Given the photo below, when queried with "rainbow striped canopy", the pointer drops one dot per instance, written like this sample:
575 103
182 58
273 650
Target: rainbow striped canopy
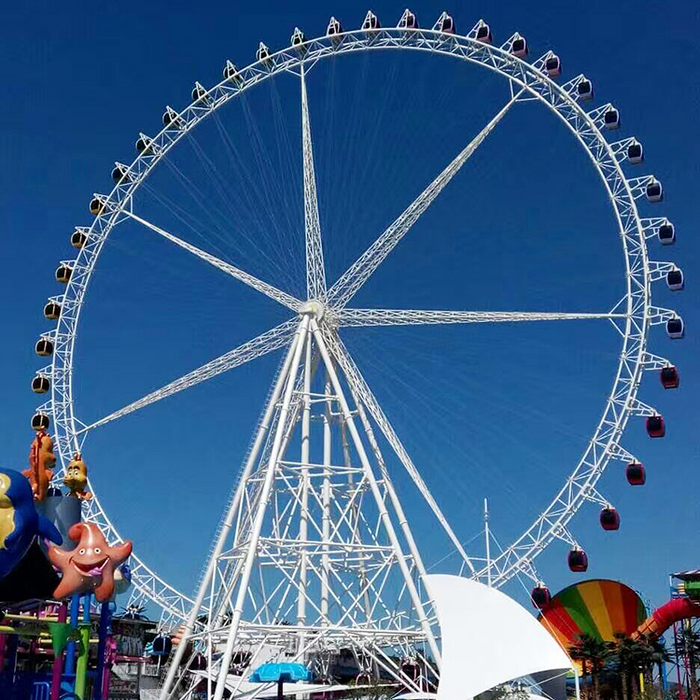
599 607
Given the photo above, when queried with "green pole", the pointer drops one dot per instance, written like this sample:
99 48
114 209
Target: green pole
82 665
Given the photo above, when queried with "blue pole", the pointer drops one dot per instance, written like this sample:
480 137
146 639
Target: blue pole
664 679
69 669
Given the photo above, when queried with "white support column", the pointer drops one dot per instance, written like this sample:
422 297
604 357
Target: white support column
228 520
395 502
383 513
488 542
260 514
304 513
326 500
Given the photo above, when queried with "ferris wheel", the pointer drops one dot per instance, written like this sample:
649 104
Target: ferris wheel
303 535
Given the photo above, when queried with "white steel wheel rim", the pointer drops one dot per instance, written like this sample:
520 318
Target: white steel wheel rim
636 305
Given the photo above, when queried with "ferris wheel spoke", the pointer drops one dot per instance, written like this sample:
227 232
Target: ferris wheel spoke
315 268
257 347
361 388
263 287
413 317
362 269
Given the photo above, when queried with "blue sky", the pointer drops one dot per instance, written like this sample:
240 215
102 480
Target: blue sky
497 412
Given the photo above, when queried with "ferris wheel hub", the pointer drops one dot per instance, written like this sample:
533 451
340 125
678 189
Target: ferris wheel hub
313 308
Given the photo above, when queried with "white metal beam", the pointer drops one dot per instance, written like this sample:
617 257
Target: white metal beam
261 345
315 268
263 287
414 317
361 270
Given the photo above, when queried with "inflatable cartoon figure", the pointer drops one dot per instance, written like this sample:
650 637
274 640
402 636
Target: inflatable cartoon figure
90 566
76 478
19 521
41 463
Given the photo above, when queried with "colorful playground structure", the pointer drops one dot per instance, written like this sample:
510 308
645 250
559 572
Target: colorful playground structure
607 611
58 579
604 609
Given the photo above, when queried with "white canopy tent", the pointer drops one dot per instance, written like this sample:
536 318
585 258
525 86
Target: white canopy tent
487 638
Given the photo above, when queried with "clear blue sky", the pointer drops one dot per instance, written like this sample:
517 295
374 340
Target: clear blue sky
489 412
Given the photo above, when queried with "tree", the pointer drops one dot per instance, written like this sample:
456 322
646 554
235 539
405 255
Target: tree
632 657
659 656
592 653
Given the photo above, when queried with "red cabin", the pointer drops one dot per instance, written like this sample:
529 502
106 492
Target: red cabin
541 596
636 474
656 426
578 560
670 379
609 519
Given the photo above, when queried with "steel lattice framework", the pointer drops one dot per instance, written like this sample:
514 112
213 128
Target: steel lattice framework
324 313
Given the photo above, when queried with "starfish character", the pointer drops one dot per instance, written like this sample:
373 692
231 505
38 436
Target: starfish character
90 566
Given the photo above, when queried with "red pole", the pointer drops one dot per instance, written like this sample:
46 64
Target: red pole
681 696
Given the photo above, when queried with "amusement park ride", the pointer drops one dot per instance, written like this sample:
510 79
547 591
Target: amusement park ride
314 553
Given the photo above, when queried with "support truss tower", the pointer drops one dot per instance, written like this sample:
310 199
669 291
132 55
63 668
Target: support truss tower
315 554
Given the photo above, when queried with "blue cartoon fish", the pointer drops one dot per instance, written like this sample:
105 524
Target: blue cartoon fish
19 521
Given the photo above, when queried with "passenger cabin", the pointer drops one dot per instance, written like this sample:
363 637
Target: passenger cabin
609 519
371 22
670 379
636 474
578 560
519 47
408 21
96 206
541 597
654 191
611 119
231 73
584 89
334 31
143 145
200 94
52 311
63 274
675 328
77 240
172 119
656 428
552 66
263 53
40 384
446 24
298 39
667 233
483 34
43 347
674 280
120 174
635 153
40 422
